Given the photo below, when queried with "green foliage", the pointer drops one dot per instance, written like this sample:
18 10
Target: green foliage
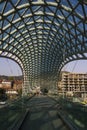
11 78
2 94
20 92
45 91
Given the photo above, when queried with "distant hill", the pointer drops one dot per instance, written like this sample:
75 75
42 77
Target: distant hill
11 77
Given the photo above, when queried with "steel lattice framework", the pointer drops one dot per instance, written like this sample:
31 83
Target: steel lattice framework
42 36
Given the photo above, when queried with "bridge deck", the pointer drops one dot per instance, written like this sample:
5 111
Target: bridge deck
43 115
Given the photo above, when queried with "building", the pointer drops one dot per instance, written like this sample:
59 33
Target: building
6 84
73 84
13 88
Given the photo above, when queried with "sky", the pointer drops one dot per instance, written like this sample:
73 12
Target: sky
77 66
10 68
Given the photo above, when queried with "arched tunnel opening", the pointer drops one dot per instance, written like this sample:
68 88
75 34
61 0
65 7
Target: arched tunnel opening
42 36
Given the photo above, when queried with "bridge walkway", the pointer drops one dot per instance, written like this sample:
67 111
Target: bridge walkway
43 115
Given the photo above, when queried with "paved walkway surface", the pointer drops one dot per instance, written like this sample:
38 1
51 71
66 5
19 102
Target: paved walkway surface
43 115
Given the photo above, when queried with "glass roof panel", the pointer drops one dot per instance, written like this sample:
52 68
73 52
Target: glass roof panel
2 6
38 30
8 7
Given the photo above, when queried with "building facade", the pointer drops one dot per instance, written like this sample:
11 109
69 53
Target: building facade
73 83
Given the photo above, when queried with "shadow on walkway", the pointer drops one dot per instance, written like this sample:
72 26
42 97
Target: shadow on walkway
43 115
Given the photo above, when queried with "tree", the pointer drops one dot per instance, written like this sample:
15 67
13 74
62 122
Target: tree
45 91
3 95
12 83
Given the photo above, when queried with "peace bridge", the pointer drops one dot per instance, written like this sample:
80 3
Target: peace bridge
42 36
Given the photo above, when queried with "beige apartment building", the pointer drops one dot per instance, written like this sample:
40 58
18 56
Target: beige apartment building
73 84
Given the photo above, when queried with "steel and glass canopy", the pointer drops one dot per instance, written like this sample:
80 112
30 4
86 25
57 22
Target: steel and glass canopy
42 36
